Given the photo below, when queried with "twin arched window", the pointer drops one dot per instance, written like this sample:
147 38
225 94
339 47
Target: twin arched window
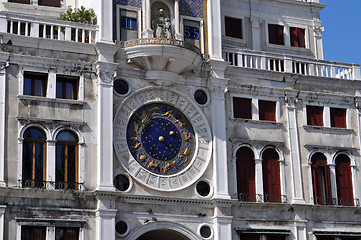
246 176
322 181
34 160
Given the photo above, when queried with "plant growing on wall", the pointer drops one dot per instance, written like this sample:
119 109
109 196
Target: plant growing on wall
80 15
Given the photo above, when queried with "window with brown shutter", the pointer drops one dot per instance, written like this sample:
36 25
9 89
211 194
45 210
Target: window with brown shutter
33 232
321 180
344 180
275 34
314 115
233 27
242 108
267 110
246 183
297 37
271 176
338 117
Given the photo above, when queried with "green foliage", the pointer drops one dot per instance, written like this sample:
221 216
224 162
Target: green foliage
81 15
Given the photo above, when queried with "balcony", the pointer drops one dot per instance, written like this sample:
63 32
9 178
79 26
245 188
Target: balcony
292 64
336 201
32 183
160 54
30 26
253 197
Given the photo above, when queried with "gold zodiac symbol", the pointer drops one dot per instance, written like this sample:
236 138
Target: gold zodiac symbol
154 108
142 157
134 138
167 166
136 127
168 114
180 123
152 164
187 135
185 153
136 146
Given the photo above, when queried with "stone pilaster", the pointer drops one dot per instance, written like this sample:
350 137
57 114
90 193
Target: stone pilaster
2 122
294 146
214 31
259 178
105 217
106 73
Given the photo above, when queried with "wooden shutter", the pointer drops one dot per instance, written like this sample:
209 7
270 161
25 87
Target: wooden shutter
242 108
338 117
301 37
272 33
271 176
280 38
245 171
314 116
267 110
294 36
344 180
321 179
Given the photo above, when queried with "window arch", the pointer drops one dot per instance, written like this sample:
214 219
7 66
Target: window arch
321 180
271 176
34 158
344 180
66 170
246 184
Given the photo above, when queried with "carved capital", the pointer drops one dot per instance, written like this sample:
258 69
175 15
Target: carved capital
218 92
106 76
290 101
318 31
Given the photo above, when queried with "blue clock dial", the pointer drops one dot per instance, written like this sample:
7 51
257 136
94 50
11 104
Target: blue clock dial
161 138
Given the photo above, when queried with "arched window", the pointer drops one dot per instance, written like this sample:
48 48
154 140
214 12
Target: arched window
344 180
34 158
246 185
66 174
271 176
321 180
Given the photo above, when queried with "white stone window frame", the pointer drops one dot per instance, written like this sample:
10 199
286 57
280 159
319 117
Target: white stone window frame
255 108
326 114
51 82
258 151
201 29
331 162
51 151
128 8
223 24
49 227
288 34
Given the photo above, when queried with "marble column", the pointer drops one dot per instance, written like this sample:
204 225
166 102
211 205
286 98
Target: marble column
259 179
332 168
222 225
214 29
105 218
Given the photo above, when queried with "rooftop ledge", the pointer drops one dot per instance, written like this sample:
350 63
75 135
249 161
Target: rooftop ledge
161 54
291 64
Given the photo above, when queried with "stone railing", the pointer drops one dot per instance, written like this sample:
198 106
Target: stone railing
158 41
292 64
28 25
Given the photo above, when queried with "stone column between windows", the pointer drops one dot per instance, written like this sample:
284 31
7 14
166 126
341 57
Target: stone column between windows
295 155
220 163
147 21
105 218
105 74
332 168
214 29
256 33
51 90
282 163
51 161
2 124
176 20
2 222
259 179
222 225
355 184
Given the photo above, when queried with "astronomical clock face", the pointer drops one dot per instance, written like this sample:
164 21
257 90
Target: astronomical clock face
162 139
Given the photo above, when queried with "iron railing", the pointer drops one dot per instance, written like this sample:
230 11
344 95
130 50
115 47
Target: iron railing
336 201
32 183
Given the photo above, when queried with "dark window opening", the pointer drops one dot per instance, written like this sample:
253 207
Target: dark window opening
271 176
242 108
233 27
66 172
20 1
33 233
338 117
314 115
35 84
50 3
121 182
121 87
67 87
203 188
121 227
321 180
66 233
297 37
267 110
344 180
246 182
275 34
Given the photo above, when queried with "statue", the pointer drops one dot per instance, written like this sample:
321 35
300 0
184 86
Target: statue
162 26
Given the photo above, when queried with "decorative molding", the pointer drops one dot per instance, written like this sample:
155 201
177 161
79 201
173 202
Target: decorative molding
106 76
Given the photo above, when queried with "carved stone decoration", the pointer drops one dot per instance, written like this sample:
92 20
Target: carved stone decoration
106 76
161 21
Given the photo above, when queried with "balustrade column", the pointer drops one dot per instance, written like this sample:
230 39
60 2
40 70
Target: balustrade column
2 123
105 74
259 179
294 146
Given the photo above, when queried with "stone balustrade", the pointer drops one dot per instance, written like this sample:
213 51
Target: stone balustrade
292 64
33 26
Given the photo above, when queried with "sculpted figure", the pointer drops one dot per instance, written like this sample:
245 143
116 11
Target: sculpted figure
162 26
